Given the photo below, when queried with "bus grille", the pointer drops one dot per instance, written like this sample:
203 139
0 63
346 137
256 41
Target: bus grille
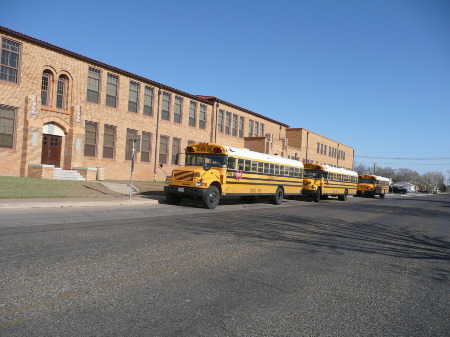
183 175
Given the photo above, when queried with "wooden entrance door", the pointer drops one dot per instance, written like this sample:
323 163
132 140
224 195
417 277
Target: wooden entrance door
51 150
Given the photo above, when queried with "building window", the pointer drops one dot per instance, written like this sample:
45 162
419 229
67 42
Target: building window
148 101
133 97
90 139
202 117
163 149
256 129
318 147
176 150
241 126
61 93
131 134
178 108
325 150
235 125
193 114
321 148
109 141
250 128
165 112
220 121
93 91
228 122
9 70
7 126
112 86
262 129
146 146
47 78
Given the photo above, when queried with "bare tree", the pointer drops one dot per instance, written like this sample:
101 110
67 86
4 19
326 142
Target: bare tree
362 169
435 180
407 175
387 172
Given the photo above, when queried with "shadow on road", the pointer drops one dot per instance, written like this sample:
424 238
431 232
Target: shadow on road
313 234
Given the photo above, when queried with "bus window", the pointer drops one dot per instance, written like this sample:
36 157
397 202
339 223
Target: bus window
286 171
240 164
272 168
194 159
277 170
260 167
291 171
254 166
339 177
214 160
231 163
266 167
296 172
248 164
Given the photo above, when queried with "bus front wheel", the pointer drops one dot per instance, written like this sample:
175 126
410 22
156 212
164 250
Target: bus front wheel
277 199
211 197
344 196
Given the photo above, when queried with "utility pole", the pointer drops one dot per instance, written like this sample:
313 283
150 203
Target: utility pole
374 166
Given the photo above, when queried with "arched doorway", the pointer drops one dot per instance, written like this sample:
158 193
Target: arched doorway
52 137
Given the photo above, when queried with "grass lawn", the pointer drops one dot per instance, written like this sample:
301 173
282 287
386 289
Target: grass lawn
19 188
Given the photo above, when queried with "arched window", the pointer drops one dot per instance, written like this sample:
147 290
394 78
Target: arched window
47 78
61 93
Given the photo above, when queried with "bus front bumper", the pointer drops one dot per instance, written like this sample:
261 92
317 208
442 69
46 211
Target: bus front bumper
185 191
309 193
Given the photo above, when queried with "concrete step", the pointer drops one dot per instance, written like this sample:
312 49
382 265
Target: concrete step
61 174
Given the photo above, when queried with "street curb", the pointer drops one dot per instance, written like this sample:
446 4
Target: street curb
17 204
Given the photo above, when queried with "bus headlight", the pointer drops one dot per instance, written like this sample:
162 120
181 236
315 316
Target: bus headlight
167 180
198 183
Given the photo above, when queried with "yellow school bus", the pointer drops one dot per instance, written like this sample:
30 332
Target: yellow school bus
212 171
322 181
371 185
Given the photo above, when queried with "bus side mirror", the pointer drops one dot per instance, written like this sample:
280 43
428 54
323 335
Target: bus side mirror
160 165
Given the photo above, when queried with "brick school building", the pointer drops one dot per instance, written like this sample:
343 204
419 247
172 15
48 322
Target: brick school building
60 109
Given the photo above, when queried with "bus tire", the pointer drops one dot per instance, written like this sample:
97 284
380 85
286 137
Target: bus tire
172 199
277 199
211 197
381 195
344 196
317 195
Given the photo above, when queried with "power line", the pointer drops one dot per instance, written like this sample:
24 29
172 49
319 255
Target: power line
402 158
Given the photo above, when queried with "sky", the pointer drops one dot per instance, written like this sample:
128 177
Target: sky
373 75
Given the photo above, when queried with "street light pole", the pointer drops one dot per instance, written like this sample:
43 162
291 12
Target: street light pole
133 151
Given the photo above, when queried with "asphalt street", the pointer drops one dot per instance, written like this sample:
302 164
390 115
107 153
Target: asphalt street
365 267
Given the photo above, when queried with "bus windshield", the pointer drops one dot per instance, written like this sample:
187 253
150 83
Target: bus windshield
202 159
313 174
367 181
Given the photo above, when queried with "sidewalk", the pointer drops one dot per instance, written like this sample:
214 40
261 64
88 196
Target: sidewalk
136 199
